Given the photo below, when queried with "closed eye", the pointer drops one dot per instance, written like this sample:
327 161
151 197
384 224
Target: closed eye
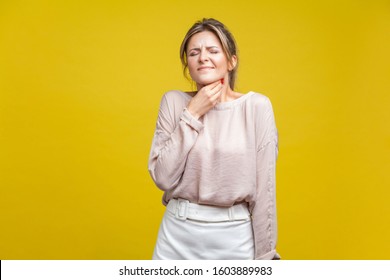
213 49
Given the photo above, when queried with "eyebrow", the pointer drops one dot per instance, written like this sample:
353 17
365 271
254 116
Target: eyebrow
197 49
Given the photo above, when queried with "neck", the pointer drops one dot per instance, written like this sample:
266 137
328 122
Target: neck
227 93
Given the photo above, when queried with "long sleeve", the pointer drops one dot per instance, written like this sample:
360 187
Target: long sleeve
175 134
264 211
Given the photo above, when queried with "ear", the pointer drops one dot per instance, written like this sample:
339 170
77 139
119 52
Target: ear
232 63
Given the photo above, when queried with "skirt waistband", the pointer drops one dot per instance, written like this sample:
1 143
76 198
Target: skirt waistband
183 209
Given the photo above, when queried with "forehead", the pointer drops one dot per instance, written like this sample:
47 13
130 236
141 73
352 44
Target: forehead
204 38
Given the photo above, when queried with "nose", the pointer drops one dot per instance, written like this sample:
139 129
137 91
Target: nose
203 56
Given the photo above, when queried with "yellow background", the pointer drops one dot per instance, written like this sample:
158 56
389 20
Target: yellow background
80 86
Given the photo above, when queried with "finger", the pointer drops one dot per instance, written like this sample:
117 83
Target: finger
216 99
217 88
215 84
212 85
216 95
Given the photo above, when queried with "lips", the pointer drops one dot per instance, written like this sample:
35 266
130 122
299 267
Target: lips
205 68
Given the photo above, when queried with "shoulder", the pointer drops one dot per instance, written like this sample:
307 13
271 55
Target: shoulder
264 118
175 95
259 98
260 101
173 102
172 93
174 98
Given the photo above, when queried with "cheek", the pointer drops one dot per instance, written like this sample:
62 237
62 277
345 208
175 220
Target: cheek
191 67
190 64
221 62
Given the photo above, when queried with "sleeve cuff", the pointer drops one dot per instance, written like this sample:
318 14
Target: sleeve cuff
272 255
191 121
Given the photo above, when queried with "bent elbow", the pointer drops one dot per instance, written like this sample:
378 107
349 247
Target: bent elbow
163 182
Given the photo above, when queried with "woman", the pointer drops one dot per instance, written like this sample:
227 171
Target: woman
213 154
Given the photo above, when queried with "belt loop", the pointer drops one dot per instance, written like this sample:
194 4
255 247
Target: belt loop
181 209
231 213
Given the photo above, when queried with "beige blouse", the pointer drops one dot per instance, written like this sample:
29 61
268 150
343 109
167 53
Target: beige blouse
226 157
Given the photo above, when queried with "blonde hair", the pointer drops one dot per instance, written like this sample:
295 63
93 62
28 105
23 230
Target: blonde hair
228 43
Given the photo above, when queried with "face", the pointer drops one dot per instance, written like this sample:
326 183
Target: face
206 59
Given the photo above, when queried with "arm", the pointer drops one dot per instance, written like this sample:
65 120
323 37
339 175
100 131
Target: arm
171 143
174 139
264 212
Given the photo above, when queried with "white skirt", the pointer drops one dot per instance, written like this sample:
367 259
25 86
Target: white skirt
196 232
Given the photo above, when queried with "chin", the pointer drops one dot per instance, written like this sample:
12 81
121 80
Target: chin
205 82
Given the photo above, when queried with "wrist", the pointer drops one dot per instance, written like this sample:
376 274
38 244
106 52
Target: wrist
193 113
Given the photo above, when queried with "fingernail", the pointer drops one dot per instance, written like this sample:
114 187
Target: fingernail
222 80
